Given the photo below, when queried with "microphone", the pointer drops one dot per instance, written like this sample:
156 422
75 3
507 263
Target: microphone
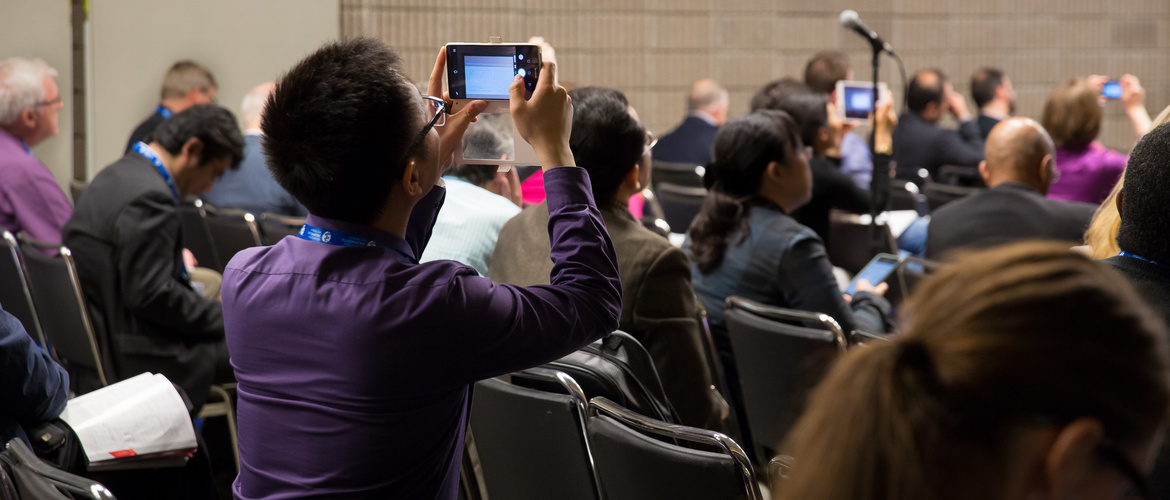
850 21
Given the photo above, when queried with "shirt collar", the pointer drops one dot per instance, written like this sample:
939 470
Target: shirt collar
23 145
382 238
253 131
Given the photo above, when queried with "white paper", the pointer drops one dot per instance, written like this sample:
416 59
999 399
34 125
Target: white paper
137 416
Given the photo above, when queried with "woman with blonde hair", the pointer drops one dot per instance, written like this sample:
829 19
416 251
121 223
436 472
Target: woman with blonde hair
1023 372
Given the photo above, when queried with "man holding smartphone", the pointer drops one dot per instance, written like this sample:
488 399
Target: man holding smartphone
354 361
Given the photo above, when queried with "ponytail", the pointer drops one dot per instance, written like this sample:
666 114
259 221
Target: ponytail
719 216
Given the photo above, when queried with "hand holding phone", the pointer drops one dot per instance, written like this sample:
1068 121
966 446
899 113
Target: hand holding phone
545 120
873 274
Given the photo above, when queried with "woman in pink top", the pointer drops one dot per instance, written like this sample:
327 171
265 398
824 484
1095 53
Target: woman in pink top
1072 116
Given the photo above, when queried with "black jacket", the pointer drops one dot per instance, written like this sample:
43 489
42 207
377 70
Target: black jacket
831 189
920 144
1003 214
689 143
986 123
143 130
126 237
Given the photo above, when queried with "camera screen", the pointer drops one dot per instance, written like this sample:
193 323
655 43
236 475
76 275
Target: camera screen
488 77
858 102
1111 90
876 272
486 71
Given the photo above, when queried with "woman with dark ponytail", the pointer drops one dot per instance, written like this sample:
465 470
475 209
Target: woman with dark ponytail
744 243
1021 372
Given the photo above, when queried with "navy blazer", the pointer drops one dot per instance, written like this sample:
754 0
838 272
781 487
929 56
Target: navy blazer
920 144
689 143
33 388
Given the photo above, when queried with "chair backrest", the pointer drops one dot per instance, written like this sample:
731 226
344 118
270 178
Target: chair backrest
15 296
779 359
938 195
718 375
680 204
679 174
37 480
231 231
77 187
853 242
631 464
531 443
860 337
905 195
955 175
55 287
196 236
275 226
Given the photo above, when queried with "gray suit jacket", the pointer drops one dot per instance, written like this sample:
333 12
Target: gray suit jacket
658 303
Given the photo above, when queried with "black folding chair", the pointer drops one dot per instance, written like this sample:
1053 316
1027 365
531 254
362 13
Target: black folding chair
33 479
275 226
631 464
531 443
231 231
905 195
859 337
679 174
652 216
852 239
196 236
955 175
680 204
938 195
780 354
15 296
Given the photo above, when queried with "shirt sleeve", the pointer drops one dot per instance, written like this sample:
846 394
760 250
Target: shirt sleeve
33 388
504 328
146 232
806 267
855 160
40 207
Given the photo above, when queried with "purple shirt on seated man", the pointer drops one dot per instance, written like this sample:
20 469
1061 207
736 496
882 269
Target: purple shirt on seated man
355 362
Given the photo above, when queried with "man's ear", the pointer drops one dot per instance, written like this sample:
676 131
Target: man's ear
191 152
983 172
410 182
632 178
1072 458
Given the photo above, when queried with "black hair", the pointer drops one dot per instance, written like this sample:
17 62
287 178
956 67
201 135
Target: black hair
984 83
482 140
338 127
770 95
743 149
919 95
809 112
825 69
1145 225
214 126
606 140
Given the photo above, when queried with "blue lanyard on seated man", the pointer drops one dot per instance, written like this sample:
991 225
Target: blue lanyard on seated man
144 150
1164 267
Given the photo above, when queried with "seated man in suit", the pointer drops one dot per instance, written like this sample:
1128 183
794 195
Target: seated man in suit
993 94
33 388
691 141
919 143
127 238
1019 170
658 303
186 84
252 187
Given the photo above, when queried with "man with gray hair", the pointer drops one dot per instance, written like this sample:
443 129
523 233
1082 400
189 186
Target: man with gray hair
187 83
691 141
31 201
252 187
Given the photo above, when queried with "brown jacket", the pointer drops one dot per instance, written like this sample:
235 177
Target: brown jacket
658 304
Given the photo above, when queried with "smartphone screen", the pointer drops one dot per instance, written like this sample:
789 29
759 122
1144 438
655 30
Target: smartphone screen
486 71
1111 90
875 272
858 102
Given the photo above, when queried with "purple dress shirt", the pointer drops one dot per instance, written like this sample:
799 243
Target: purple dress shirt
355 364
31 202
1087 175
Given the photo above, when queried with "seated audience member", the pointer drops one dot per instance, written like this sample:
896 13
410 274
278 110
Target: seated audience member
919 142
31 201
127 238
1072 115
1018 170
744 243
33 388
354 361
821 74
477 205
691 142
994 96
252 187
658 303
187 83
1025 371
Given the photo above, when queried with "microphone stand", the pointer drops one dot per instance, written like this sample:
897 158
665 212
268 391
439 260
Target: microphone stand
879 184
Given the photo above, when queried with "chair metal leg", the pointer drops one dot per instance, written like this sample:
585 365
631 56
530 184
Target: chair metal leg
224 409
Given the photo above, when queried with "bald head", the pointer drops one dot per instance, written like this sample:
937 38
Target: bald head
709 97
1019 150
252 108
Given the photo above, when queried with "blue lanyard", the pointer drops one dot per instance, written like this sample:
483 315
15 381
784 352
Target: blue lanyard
336 238
25 146
1123 253
163 111
144 150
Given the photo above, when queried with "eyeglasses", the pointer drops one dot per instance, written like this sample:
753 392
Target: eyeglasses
50 102
435 113
1139 485
651 139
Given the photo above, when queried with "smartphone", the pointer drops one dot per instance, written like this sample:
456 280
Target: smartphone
855 100
875 272
486 70
1111 89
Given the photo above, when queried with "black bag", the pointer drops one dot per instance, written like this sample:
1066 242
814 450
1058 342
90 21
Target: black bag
618 368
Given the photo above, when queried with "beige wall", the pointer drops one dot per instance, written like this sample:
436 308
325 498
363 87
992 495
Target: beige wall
51 41
653 49
133 42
